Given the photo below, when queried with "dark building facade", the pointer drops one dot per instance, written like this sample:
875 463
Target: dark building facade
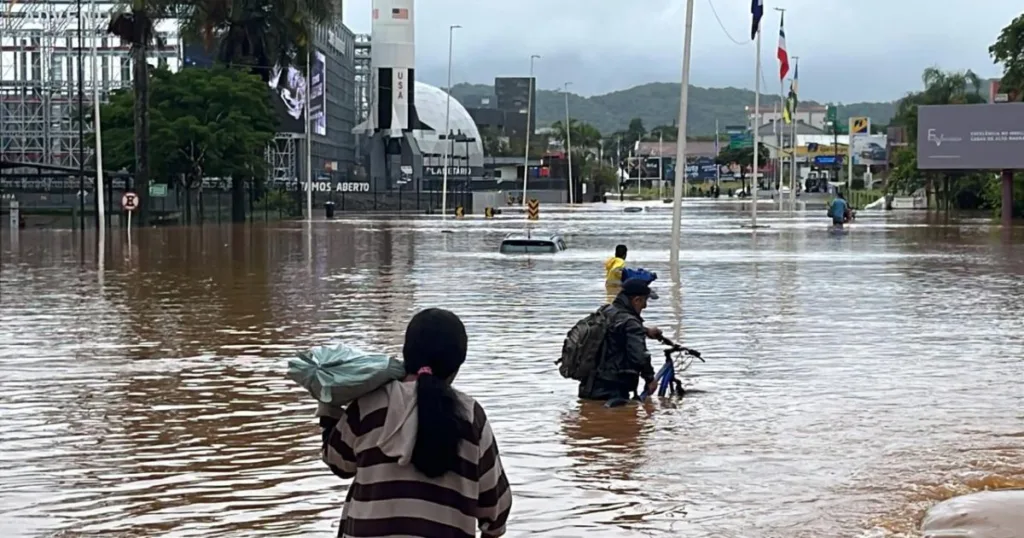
513 95
338 44
500 121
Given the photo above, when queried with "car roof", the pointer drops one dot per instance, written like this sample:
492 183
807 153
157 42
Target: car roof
534 236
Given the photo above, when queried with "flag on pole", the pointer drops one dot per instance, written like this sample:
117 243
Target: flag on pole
782 54
791 99
756 10
787 111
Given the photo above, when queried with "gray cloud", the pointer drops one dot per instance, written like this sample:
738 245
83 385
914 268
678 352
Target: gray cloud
868 50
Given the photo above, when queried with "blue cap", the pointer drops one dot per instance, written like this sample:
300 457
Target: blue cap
638 287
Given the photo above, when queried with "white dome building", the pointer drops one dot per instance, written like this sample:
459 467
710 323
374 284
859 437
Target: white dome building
430 107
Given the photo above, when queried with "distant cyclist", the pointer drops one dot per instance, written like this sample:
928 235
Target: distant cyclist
838 210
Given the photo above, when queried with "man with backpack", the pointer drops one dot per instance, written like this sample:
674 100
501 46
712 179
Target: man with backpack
607 350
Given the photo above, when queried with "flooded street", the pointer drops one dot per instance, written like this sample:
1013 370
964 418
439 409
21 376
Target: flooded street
851 381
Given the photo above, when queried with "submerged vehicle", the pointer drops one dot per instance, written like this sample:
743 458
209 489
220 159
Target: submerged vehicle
532 243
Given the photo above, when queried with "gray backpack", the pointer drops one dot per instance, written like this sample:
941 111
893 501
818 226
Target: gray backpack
584 346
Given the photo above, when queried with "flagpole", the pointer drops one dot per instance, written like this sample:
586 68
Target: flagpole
782 52
781 146
776 115
661 167
309 140
794 84
680 171
718 167
757 125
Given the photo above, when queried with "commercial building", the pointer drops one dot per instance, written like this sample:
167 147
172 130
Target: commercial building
517 95
811 115
40 76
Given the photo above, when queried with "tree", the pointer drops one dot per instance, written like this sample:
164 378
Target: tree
584 137
668 133
904 177
256 34
1009 51
494 144
635 131
940 88
744 157
137 27
206 122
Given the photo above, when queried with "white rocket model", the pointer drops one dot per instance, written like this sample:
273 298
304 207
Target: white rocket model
392 69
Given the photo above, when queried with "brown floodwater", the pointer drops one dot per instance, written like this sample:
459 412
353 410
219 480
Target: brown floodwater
851 381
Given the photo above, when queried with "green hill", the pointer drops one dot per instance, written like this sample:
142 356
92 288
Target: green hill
658 104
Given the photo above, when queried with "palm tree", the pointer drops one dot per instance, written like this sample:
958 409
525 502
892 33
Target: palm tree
257 35
137 27
940 88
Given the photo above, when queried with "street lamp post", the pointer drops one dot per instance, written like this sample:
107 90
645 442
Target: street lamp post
97 128
568 142
529 109
447 117
680 171
81 122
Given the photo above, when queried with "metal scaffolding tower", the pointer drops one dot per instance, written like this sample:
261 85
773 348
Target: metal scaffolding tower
39 49
362 67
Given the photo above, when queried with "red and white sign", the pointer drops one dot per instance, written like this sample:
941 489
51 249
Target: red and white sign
130 201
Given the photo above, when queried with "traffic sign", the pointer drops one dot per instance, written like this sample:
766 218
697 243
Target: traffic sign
130 201
533 209
860 125
489 212
460 212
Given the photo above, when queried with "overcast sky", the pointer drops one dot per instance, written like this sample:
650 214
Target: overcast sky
863 50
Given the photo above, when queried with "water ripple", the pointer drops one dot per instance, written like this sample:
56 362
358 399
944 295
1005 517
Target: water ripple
851 381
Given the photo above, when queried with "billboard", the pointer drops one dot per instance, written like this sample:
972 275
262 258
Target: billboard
701 168
318 94
869 150
970 137
289 89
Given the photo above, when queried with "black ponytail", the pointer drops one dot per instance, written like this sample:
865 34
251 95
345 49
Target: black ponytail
437 439
435 348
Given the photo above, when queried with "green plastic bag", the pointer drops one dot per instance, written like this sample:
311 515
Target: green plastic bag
337 375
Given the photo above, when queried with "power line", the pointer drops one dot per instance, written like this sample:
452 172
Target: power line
722 26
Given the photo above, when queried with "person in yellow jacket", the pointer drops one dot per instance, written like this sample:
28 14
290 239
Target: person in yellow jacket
613 272
613 266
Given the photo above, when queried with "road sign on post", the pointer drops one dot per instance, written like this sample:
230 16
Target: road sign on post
860 125
130 201
533 209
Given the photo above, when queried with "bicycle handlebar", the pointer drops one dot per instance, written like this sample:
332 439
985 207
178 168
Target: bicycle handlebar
674 347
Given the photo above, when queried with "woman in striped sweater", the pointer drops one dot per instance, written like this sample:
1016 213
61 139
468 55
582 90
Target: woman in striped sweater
421 454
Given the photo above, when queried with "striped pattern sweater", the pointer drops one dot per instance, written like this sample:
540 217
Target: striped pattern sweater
372 444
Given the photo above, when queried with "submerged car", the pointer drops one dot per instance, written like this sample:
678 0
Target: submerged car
532 243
